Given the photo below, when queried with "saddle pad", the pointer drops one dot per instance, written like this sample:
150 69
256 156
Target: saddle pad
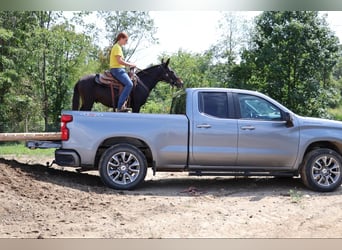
107 85
107 79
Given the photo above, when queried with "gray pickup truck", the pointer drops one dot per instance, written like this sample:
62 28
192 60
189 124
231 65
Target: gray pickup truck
210 131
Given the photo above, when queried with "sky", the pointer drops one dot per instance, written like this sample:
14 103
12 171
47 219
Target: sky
193 31
196 31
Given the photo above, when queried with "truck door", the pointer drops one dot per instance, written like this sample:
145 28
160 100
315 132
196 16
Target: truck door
214 133
264 139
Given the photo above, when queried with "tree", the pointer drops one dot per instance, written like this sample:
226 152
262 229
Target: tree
43 55
292 58
57 52
192 68
14 30
235 32
137 24
234 37
6 76
337 71
42 58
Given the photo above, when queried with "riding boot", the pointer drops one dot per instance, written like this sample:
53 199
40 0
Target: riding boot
124 108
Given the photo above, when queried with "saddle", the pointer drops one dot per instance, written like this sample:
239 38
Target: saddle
106 79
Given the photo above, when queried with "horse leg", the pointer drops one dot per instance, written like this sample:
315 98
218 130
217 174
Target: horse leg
135 109
137 100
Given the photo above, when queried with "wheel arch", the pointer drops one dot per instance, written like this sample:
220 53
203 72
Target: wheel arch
334 145
109 142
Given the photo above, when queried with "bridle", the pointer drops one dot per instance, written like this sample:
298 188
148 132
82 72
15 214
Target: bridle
173 83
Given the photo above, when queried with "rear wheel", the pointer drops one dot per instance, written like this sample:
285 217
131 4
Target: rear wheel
123 167
321 170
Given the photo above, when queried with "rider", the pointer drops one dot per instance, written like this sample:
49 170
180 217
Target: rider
117 69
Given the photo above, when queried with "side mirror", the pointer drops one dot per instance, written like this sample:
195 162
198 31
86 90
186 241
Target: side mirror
288 119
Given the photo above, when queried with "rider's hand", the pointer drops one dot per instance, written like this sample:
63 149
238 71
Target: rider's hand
132 65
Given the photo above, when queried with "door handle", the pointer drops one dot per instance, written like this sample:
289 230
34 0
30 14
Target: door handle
203 126
247 127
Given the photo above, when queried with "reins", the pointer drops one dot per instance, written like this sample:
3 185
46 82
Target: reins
147 73
141 82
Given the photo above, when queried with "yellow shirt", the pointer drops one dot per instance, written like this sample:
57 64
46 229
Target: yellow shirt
116 51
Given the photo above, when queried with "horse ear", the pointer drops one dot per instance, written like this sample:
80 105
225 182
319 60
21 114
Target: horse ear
167 62
162 60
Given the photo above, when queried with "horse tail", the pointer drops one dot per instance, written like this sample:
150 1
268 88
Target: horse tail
76 98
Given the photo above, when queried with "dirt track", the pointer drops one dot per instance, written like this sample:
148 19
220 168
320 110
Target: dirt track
37 202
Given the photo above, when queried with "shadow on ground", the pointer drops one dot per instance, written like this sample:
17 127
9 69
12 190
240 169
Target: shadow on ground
258 188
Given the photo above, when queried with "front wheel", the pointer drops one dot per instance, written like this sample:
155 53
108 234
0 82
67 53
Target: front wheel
321 170
122 167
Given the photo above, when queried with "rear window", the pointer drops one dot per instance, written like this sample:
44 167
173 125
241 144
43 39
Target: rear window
178 106
213 104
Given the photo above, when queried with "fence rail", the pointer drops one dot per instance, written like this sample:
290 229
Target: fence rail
30 136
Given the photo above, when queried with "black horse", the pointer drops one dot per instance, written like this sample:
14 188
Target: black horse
91 92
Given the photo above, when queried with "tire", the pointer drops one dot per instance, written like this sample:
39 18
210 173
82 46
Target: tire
123 167
321 170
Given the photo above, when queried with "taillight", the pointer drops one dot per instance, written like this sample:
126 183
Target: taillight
64 130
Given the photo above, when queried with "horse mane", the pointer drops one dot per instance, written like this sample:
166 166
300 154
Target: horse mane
144 71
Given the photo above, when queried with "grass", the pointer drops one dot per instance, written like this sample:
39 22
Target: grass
296 196
19 149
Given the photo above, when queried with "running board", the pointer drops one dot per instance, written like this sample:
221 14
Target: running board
240 173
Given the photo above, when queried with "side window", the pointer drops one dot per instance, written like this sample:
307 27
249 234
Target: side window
253 107
214 104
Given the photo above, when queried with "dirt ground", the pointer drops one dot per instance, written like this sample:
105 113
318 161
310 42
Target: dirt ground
37 202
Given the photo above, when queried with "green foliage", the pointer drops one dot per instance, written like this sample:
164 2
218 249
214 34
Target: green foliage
193 69
46 57
63 53
18 149
234 36
291 56
336 113
42 57
292 60
9 40
159 101
296 196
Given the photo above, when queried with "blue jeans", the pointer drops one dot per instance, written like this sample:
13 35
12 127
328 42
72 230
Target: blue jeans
122 76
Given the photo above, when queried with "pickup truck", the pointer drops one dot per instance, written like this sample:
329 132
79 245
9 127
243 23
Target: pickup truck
209 132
